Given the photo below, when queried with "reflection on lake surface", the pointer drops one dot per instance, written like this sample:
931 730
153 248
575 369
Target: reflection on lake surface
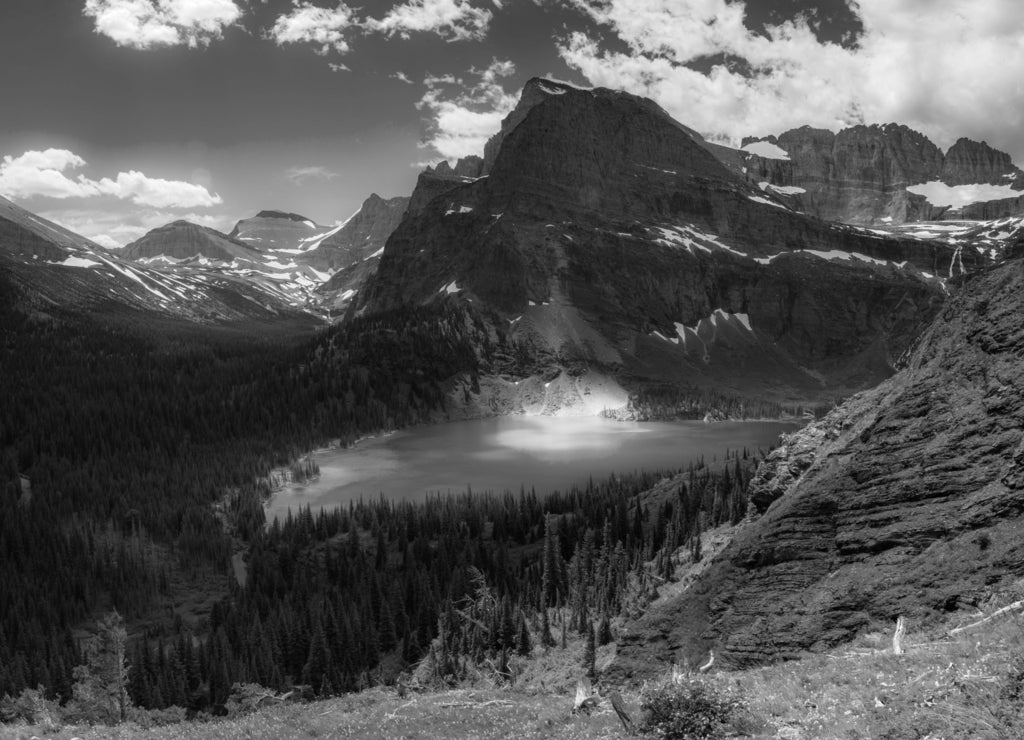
505 453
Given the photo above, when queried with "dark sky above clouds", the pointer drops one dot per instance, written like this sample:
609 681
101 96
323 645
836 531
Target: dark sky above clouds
121 115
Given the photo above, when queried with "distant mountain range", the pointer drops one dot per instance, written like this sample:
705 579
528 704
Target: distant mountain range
605 235
53 268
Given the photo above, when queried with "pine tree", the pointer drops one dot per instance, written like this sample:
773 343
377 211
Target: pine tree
100 691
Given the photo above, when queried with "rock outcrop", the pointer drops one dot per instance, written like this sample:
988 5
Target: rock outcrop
906 500
968 162
861 174
607 232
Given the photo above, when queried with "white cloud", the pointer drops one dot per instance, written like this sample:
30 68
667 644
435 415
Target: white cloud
43 174
454 20
115 228
401 77
307 23
462 115
299 175
144 24
949 68
150 191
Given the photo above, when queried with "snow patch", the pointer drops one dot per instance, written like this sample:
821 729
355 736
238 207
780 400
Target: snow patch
690 239
787 189
766 149
77 262
759 199
957 196
452 287
550 90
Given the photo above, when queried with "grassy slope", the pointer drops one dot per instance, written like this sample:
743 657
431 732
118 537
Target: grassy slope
942 687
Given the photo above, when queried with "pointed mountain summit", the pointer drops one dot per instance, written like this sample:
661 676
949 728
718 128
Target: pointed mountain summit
361 235
609 236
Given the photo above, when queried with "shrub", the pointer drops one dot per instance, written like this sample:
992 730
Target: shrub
31 707
688 709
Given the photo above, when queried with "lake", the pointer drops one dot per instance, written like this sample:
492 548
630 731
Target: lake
503 453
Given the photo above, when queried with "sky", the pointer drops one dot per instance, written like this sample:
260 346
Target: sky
122 115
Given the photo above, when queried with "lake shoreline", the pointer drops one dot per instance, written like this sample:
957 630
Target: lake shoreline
507 453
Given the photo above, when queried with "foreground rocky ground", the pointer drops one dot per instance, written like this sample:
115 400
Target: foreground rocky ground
966 685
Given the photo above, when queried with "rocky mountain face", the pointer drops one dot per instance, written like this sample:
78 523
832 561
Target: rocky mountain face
183 240
52 269
361 236
282 254
277 231
906 500
868 175
609 235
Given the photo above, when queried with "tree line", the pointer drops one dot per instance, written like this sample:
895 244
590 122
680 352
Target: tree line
129 461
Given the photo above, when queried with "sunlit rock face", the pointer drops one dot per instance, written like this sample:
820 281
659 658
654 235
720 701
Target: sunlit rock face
866 175
601 224
906 500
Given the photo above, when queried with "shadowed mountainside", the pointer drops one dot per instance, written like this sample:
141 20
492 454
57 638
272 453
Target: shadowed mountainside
904 500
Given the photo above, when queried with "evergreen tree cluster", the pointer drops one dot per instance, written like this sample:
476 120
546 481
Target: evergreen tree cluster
128 460
117 449
338 600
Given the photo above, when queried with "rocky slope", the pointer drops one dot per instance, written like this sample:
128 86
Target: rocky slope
874 175
906 500
608 235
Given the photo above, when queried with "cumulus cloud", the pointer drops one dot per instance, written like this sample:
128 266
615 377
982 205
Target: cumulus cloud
43 174
325 28
150 191
454 20
113 228
945 67
299 175
464 113
144 24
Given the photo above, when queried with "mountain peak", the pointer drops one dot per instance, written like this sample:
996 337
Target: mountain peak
281 215
181 239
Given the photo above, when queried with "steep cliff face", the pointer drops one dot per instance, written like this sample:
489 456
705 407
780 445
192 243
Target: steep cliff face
609 234
907 500
861 175
969 162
